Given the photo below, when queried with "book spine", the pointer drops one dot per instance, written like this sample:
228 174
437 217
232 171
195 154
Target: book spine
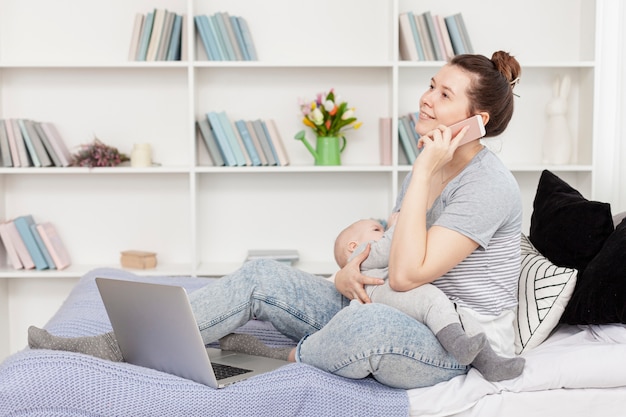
270 141
54 244
19 245
25 160
42 247
223 34
173 51
47 144
142 52
29 144
40 149
57 143
455 35
5 151
432 33
384 137
135 38
239 36
408 49
15 153
211 144
445 36
405 140
12 255
222 140
257 143
232 39
467 44
279 145
202 31
247 141
247 38
240 143
410 130
155 36
267 150
166 36
416 37
232 139
22 224
420 23
219 35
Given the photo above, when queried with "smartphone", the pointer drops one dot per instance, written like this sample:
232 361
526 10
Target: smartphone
476 129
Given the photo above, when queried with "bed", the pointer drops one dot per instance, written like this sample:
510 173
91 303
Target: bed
569 330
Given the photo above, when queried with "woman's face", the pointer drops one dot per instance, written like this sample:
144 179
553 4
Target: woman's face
445 102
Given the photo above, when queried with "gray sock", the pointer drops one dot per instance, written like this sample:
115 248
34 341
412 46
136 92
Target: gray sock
103 346
498 368
245 343
463 347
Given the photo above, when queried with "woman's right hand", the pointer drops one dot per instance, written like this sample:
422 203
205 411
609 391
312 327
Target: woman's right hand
350 282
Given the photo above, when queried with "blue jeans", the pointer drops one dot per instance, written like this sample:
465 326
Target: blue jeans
347 339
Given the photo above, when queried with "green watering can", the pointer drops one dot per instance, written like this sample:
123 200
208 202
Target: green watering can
327 150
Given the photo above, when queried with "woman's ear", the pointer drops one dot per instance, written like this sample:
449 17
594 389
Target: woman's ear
485 117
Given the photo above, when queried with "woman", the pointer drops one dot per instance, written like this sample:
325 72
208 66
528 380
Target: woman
459 227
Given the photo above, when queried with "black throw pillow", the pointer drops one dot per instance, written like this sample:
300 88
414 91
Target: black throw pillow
565 227
600 293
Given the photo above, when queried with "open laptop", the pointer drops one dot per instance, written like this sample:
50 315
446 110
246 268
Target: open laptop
155 328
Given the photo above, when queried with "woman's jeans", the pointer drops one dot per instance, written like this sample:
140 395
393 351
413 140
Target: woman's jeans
348 339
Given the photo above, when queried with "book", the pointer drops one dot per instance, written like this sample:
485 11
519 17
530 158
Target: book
19 245
445 36
29 144
206 36
257 143
22 224
173 50
239 36
166 35
230 32
384 140
42 247
47 144
5 151
416 37
155 36
277 140
264 140
432 34
222 32
37 143
184 38
24 155
235 131
247 141
247 38
467 44
210 142
212 25
422 29
409 126
15 154
146 34
455 35
60 149
232 139
405 141
221 138
135 38
408 47
54 244
7 241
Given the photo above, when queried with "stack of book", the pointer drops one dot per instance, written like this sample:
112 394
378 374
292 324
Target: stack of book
158 35
225 37
31 245
408 136
27 143
428 37
242 142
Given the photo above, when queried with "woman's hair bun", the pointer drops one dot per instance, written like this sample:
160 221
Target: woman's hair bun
507 65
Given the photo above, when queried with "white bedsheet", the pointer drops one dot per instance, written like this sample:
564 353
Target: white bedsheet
587 358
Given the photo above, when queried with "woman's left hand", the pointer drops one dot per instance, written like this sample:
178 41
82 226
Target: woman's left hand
350 282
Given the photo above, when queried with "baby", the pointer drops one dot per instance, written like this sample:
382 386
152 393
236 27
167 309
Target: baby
426 303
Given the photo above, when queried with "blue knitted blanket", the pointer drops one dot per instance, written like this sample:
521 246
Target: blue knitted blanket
54 383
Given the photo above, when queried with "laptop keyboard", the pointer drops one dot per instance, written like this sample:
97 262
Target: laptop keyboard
226 371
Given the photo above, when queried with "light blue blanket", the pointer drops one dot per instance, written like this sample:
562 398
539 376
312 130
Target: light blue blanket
54 383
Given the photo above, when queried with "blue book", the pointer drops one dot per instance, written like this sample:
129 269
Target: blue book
405 140
173 50
42 247
221 42
234 143
29 144
265 143
142 51
455 35
22 224
270 141
239 36
211 143
247 142
247 38
223 33
222 139
204 36
416 36
410 130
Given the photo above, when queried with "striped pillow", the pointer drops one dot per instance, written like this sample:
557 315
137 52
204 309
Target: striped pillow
544 290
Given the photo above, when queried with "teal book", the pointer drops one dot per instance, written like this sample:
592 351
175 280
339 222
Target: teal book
173 50
219 34
239 36
267 134
208 40
455 35
210 23
247 38
405 141
247 142
234 143
30 147
5 150
264 140
211 143
144 40
42 247
409 126
416 37
222 139
38 144
23 224
223 33
230 31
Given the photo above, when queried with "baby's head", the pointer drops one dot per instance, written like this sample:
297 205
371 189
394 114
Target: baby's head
351 237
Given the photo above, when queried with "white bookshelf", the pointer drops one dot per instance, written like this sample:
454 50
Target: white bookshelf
72 69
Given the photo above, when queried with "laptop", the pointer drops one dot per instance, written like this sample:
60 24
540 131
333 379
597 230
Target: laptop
155 328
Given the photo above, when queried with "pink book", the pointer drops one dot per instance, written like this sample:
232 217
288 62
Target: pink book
384 137
54 244
10 247
20 246
57 143
15 155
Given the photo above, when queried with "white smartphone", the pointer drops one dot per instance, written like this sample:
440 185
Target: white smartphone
476 129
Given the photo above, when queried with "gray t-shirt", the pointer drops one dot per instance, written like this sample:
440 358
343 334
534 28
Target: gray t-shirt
483 203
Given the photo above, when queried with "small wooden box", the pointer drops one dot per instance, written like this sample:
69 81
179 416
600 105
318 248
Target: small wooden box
137 259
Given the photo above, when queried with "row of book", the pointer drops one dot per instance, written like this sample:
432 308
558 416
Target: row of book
31 245
158 35
28 143
429 37
225 37
408 136
242 142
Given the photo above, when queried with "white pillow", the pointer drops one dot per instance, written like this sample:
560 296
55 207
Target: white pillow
543 292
